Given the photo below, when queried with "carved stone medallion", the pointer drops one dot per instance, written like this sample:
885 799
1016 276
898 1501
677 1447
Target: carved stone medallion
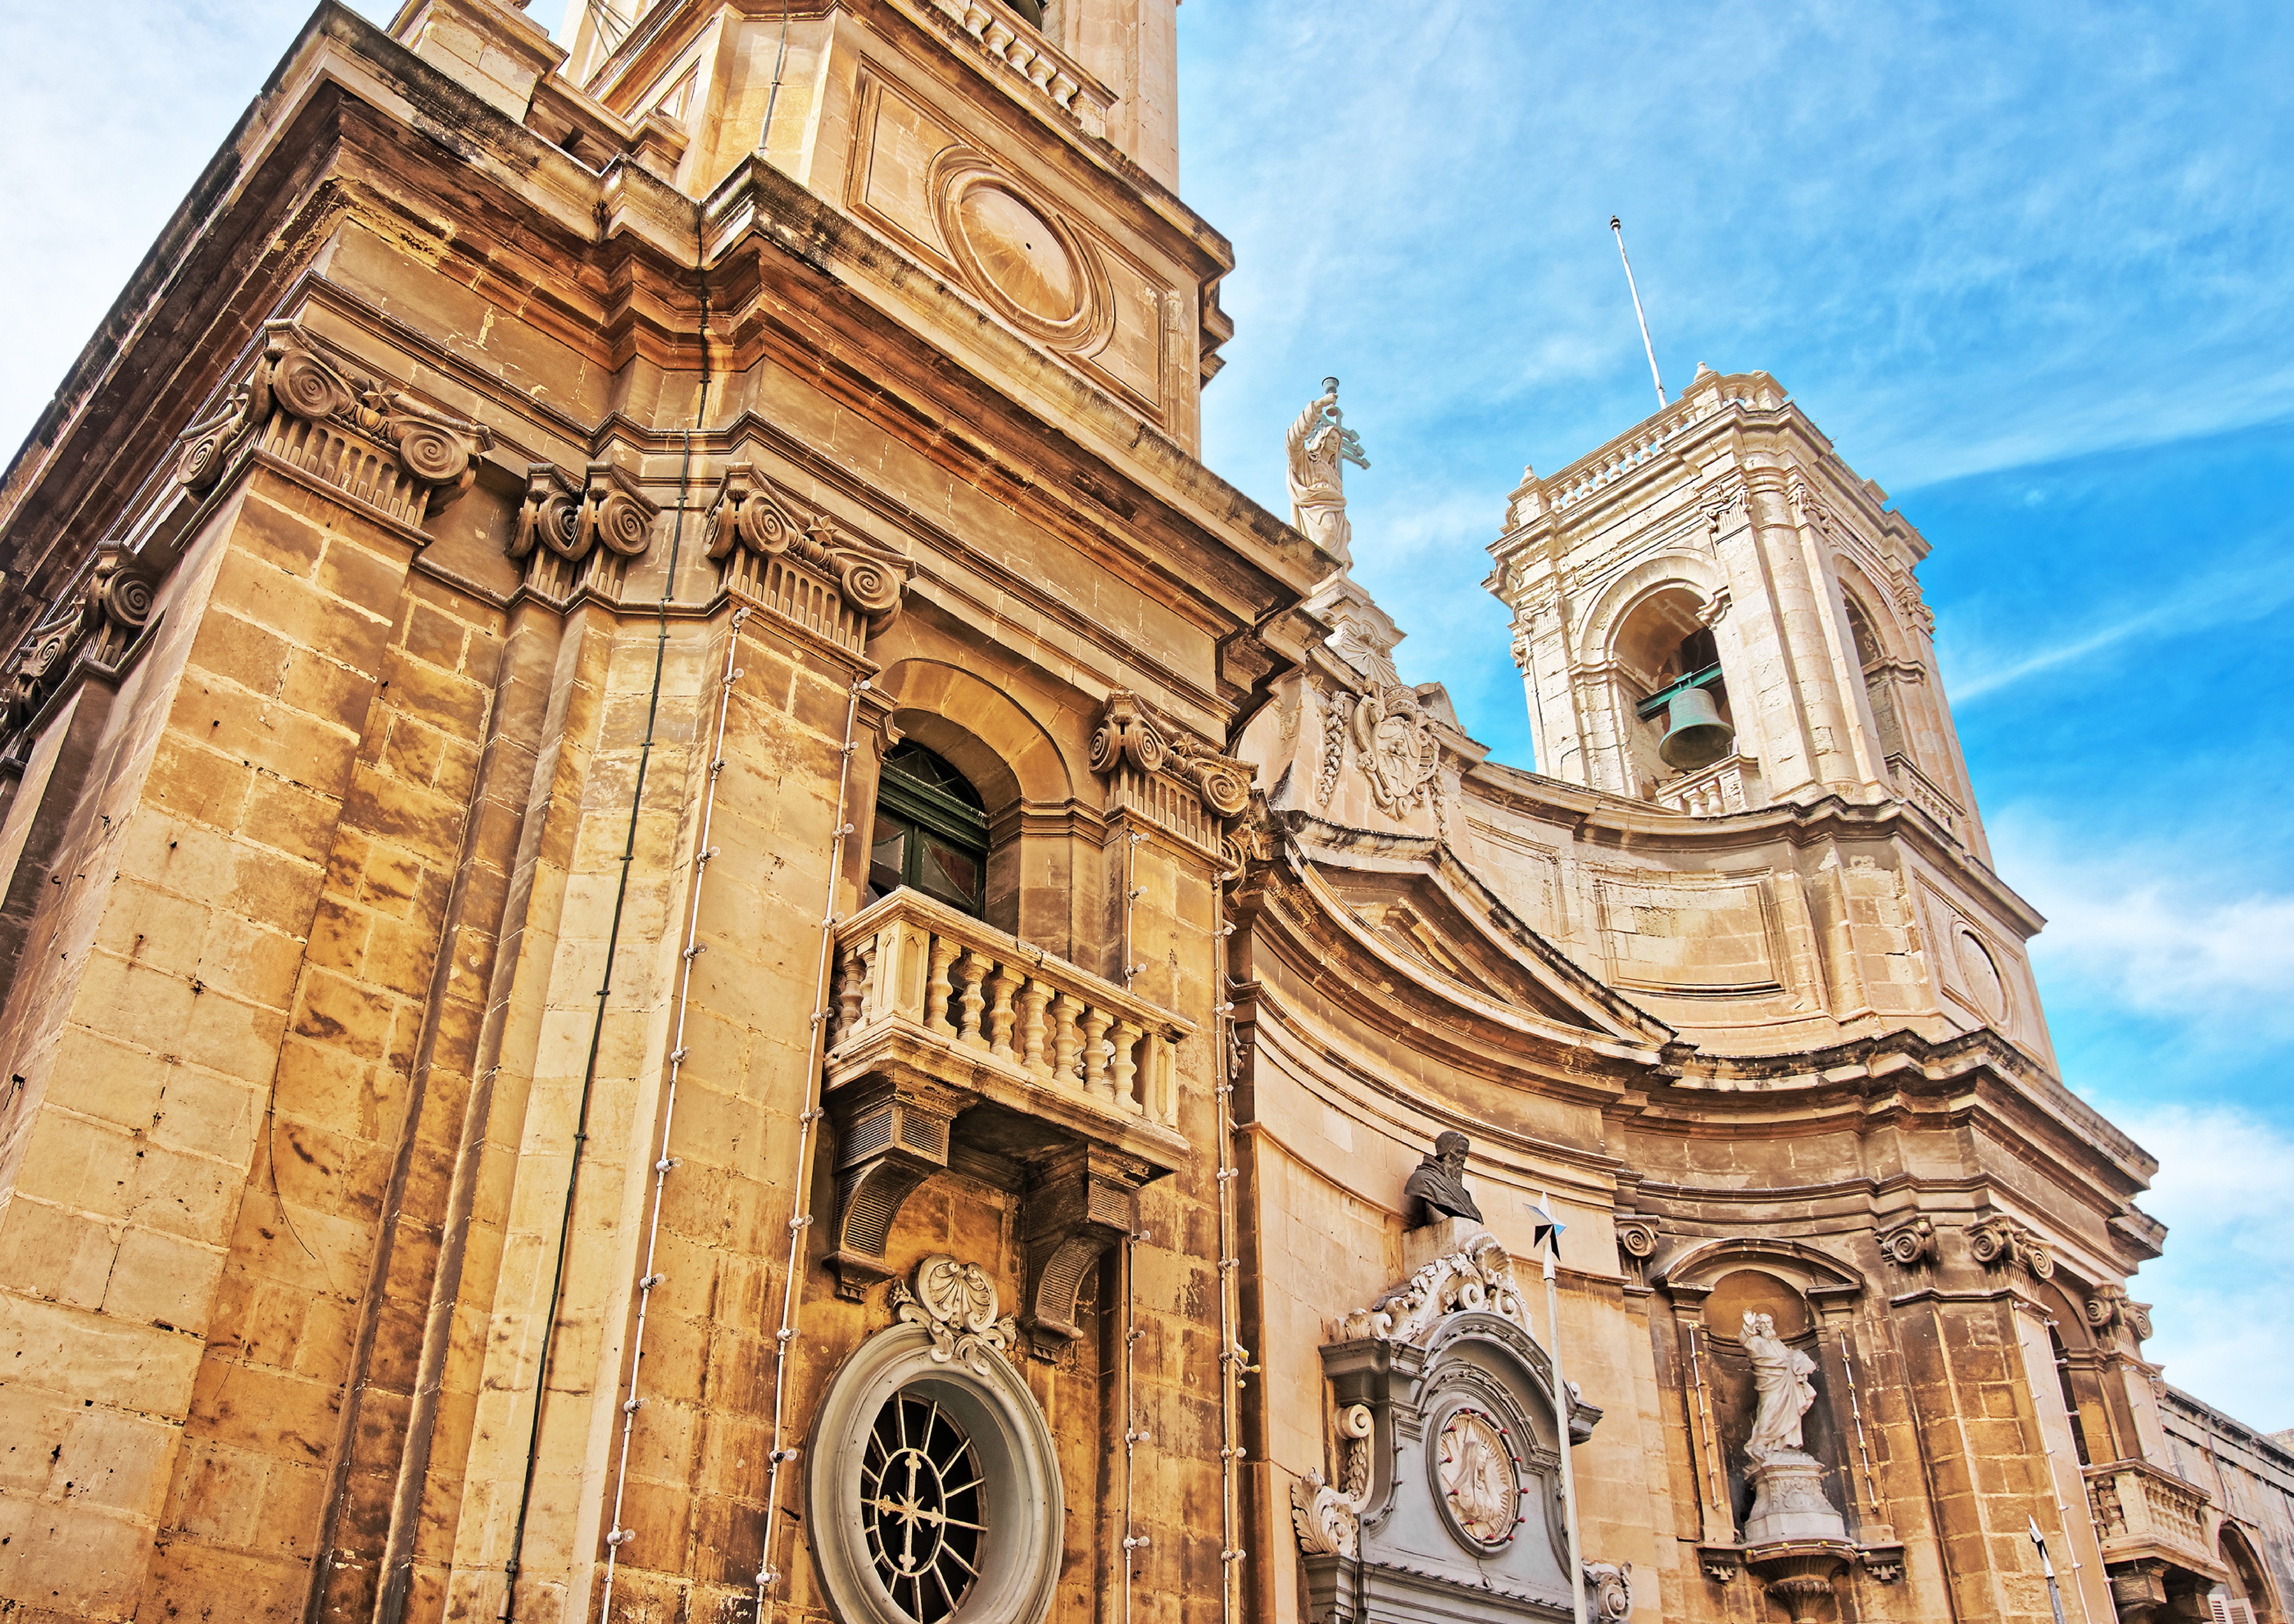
1479 1477
1395 740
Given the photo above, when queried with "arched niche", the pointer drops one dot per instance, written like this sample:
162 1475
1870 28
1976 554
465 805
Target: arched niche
1876 644
2250 1578
1711 1285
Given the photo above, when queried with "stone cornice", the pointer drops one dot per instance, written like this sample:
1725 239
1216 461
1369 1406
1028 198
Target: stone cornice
1598 817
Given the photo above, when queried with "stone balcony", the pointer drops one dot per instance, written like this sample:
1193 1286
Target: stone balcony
2150 1516
954 1044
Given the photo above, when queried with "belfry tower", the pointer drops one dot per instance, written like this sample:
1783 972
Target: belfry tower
1723 549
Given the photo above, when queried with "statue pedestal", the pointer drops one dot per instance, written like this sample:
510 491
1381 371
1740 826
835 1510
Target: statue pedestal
1788 1503
1440 1239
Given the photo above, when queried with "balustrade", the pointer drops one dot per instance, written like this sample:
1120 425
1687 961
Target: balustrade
909 963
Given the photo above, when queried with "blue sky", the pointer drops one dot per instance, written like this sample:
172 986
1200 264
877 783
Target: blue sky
2025 263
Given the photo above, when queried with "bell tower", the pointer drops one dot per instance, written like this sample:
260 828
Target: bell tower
1022 152
1714 613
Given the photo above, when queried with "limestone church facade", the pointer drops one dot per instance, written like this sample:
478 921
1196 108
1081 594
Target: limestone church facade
694 930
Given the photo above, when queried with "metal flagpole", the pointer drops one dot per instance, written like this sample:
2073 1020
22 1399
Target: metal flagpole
1550 1233
1618 226
2054 1595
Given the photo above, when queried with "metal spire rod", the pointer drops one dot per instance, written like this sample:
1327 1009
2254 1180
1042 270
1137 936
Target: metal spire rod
1618 226
1551 1239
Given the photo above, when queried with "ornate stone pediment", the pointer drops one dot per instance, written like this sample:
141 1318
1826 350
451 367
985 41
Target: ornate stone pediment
374 442
1444 1498
797 563
571 537
1478 1279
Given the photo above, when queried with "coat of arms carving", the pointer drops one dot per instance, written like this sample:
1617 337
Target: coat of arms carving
1393 738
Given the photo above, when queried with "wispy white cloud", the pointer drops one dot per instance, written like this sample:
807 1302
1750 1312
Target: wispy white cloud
2223 1292
2240 590
2171 931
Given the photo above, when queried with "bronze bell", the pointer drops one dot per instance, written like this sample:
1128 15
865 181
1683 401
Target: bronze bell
1695 735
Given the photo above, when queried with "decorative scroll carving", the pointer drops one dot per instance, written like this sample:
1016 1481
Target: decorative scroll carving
956 1303
1479 1278
93 629
2110 1307
1998 1242
1328 1516
848 588
1136 747
1608 1589
377 443
1637 1237
1912 1244
571 538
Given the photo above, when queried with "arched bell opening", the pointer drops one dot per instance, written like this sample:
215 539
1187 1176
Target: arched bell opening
1671 664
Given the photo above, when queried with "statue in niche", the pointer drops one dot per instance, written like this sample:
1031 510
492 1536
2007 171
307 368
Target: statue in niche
1437 1186
1780 1380
1318 443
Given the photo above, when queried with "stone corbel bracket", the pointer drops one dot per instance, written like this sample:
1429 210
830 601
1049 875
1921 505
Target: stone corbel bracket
1999 1242
804 570
1163 775
94 632
1079 1201
572 538
891 1134
375 443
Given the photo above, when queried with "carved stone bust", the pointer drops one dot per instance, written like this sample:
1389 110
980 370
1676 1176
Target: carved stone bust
1437 1186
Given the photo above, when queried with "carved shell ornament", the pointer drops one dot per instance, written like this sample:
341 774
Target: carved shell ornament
956 1303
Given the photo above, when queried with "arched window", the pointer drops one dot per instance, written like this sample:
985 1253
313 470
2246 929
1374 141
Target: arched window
1879 682
931 833
2246 1598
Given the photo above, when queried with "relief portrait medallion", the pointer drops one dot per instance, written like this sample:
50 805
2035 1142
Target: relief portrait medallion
1480 1481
